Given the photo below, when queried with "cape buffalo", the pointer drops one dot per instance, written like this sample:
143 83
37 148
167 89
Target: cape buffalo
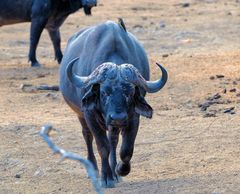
103 78
49 14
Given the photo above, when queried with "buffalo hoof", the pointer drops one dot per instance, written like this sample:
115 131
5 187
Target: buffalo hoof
117 179
107 183
59 58
36 64
123 169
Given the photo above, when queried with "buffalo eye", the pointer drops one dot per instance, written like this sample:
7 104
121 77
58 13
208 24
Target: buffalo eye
106 91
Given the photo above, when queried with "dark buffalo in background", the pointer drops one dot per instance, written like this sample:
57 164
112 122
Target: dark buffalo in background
103 78
49 14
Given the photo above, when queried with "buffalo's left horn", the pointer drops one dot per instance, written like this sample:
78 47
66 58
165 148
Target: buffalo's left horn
75 79
155 86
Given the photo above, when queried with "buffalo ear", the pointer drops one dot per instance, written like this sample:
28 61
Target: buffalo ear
89 100
141 106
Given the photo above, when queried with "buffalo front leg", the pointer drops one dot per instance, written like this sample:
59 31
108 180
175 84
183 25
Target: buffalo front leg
56 41
128 138
113 137
37 27
88 137
103 147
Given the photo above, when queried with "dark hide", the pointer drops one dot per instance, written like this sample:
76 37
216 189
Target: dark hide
49 14
104 77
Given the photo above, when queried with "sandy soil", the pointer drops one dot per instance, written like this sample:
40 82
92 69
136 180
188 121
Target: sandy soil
192 144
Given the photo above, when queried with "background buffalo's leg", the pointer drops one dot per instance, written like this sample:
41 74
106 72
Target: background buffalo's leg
37 27
126 151
113 136
88 137
103 147
56 40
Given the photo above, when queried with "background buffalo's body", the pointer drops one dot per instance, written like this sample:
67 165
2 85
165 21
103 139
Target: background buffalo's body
49 14
16 11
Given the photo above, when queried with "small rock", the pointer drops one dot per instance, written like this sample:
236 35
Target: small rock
211 77
185 4
41 75
224 91
228 110
204 106
235 83
233 90
162 24
165 55
220 76
18 176
48 95
52 96
138 26
209 115
216 96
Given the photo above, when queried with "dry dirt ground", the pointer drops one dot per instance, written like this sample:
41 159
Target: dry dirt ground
192 144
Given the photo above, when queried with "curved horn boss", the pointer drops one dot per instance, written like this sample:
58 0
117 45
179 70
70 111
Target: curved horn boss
130 73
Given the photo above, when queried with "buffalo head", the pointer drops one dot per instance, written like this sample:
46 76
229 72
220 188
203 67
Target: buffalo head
116 91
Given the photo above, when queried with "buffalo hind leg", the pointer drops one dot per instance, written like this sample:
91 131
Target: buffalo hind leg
113 137
128 138
56 41
88 137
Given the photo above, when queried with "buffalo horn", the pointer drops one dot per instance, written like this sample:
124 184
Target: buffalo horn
75 79
155 86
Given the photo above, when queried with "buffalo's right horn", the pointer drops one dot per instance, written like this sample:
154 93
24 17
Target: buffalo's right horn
154 86
75 79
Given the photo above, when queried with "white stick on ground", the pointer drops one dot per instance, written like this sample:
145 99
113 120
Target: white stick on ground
44 133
